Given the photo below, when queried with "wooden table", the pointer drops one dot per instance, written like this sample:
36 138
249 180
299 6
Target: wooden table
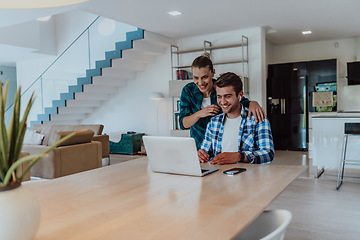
129 201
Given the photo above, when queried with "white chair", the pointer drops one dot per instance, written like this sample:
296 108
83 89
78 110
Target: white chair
349 129
270 225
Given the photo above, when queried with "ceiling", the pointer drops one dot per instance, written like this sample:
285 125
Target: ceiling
285 19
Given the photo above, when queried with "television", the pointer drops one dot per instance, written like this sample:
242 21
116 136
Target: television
353 73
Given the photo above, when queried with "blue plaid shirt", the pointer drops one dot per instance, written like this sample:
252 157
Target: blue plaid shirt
255 139
190 102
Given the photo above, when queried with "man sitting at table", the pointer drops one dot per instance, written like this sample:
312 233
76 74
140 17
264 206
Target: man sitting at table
231 137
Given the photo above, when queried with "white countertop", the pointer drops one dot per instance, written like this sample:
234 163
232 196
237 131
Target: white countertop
335 115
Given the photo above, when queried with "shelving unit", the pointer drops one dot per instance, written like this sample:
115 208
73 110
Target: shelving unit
175 88
181 71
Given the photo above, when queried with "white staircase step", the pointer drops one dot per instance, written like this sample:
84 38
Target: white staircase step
118 73
128 64
61 117
148 47
64 122
137 56
72 110
83 103
158 39
92 88
92 96
109 81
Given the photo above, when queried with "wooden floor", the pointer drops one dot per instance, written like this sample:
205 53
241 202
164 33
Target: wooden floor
319 211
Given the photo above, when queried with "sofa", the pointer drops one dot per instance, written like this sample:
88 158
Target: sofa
81 153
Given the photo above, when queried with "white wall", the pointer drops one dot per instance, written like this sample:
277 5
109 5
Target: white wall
344 50
9 74
65 28
23 35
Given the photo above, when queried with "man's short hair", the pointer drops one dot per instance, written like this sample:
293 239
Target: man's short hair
230 79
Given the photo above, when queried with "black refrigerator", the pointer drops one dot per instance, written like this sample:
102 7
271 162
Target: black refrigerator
287 105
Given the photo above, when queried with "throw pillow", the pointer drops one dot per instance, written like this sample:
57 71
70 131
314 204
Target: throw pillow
82 136
33 138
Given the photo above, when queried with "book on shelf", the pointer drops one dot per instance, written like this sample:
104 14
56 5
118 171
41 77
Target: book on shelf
182 75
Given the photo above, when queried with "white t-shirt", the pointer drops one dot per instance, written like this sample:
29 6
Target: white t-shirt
231 135
205 102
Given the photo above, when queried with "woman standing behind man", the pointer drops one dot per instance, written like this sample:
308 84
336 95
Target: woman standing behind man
198 103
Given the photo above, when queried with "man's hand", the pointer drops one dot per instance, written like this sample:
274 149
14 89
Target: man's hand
203 156
226 158
257 111
211 110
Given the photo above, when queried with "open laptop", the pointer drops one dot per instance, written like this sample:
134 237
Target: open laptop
174 155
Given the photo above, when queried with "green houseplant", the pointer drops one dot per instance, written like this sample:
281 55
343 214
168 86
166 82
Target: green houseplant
18 205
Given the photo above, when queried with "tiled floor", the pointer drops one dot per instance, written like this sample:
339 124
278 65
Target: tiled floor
319 211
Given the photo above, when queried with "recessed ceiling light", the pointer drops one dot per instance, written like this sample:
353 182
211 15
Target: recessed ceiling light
306 32
175 13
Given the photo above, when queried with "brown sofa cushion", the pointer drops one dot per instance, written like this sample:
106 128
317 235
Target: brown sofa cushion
50 131
82 136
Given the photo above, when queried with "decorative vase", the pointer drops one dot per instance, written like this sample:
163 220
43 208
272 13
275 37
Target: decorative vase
19 213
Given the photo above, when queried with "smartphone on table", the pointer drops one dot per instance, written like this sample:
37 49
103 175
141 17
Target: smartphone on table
234 171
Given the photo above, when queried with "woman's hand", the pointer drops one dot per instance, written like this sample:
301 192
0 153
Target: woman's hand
257 111
211 110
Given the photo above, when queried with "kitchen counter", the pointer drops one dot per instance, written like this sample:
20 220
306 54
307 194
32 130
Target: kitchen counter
335 115
328 135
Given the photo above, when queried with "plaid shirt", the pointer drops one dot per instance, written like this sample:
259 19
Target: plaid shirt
190 103
255 139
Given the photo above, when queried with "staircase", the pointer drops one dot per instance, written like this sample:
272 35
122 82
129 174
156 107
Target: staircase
100 84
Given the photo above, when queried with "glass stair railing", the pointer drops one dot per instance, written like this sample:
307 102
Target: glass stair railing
77 66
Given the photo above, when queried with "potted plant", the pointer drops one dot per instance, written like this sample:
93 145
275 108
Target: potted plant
18 205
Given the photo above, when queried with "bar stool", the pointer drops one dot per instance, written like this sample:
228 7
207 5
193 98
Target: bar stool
350 129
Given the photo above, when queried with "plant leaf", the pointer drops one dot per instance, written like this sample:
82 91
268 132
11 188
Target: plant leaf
3 135
14 128
22 128
16 164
